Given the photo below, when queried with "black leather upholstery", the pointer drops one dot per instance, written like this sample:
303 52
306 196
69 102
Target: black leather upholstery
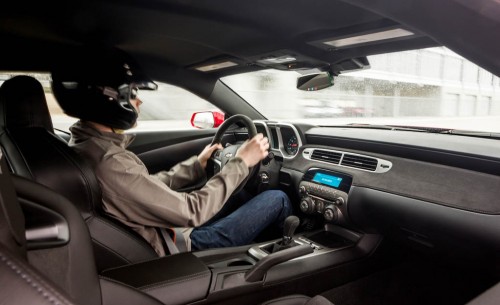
70 266
187 278
22 284
46 279
34 151
298 299
11 217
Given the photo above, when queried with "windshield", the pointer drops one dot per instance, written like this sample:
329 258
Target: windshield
420 88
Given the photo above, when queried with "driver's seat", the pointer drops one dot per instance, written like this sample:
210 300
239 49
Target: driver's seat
34 151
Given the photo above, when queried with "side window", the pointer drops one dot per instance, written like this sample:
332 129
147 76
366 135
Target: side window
168 108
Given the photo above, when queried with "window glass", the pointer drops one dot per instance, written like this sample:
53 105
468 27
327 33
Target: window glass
168 108
431 87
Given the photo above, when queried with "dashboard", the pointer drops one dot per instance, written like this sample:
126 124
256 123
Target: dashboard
391 182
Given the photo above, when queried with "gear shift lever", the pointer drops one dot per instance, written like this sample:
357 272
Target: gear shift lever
289 227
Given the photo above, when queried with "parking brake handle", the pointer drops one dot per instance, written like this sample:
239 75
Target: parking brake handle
259 270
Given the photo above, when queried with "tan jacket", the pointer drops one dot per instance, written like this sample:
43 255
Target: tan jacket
145 202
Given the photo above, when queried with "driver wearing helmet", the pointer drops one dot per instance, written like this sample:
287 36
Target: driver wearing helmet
102 91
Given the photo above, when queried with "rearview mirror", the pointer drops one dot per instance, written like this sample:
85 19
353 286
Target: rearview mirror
315 81
207 119
322 80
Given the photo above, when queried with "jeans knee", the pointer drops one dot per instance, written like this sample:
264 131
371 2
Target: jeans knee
281 198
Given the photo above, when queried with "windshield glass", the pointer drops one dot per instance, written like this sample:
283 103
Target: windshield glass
420 88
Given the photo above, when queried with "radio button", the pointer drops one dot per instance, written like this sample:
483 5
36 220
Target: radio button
320 205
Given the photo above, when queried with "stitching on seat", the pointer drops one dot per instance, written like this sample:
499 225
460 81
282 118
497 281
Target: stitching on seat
29 278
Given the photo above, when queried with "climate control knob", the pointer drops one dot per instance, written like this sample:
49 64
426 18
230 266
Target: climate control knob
330 213
339 201
307 205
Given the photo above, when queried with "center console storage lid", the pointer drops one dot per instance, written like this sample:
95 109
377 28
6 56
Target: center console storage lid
176 279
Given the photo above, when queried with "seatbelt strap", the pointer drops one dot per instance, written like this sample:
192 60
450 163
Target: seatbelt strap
172 248
180 241
177 244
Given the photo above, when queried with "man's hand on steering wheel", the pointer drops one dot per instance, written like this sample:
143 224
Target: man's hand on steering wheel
207 153
253 150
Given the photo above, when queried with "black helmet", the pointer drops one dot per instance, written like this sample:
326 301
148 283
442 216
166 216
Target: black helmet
96 84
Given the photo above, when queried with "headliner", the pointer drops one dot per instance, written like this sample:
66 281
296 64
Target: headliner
174 35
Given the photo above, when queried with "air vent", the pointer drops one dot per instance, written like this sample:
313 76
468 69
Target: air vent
326 156
359 162
352 160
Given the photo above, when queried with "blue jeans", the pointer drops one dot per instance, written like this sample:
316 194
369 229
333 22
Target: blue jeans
238 224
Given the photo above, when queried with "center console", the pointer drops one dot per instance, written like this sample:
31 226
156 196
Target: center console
221 274
325 192
213 275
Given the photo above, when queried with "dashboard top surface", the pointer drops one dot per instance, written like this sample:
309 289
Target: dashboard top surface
423 140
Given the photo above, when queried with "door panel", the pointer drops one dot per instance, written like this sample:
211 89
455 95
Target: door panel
162 150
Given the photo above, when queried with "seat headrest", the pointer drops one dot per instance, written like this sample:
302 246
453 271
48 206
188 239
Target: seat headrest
23 104
11 216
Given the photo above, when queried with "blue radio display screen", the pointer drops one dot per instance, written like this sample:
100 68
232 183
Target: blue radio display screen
329 180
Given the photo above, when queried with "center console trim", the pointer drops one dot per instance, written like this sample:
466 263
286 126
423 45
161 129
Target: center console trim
257 252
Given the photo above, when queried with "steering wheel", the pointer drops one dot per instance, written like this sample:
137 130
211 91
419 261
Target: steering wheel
223 156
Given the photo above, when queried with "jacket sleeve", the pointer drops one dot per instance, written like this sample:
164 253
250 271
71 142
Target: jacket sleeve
182 174
130 193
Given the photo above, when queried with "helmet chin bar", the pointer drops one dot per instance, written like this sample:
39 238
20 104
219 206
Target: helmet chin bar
124 116
123 99
122 96
145 85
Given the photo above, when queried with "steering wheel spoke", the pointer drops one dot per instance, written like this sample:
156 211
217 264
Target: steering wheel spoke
215 159
229 152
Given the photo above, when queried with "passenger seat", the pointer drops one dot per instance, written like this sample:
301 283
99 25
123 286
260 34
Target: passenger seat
55 274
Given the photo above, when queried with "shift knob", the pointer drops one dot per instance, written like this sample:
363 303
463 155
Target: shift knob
291 223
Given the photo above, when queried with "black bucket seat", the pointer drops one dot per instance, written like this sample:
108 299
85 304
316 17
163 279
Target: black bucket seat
34 151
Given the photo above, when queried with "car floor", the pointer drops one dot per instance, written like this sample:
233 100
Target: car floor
415 280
